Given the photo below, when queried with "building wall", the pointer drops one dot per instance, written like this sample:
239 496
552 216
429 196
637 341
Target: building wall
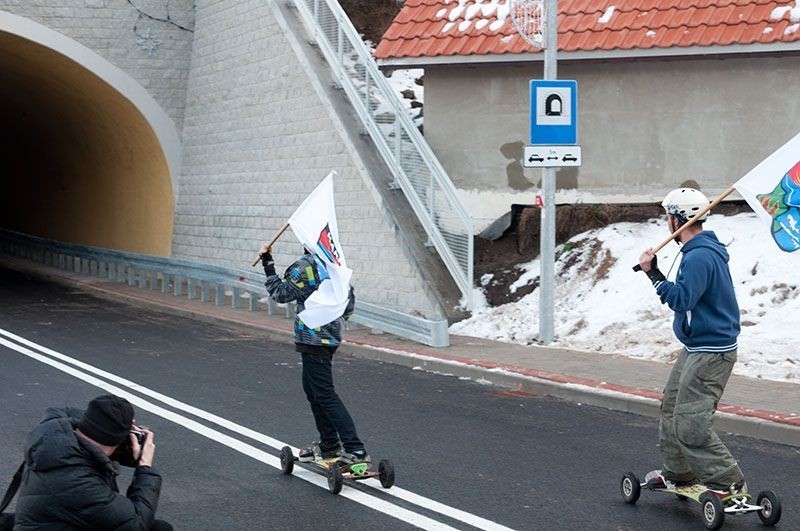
150 40
258 137
644 127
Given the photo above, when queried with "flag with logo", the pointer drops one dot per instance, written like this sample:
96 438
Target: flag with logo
772 189
314 224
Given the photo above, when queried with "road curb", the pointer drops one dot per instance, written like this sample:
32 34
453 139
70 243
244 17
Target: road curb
581 391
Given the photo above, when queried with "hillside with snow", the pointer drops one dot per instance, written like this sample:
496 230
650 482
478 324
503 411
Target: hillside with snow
601 305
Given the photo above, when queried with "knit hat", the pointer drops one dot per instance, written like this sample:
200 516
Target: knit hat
108 420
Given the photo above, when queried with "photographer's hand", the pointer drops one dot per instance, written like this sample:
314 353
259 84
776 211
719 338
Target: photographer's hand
146 451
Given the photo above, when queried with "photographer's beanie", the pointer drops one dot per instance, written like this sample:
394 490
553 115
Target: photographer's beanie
107 420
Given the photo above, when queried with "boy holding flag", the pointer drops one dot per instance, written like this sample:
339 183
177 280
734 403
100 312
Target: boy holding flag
319 283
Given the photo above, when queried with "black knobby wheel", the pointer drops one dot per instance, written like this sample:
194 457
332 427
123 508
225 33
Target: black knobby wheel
335 478
713 511
630 487
287 460
386 473
770 512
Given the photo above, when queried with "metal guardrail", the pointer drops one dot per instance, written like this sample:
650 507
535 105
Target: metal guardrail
197 280
415 168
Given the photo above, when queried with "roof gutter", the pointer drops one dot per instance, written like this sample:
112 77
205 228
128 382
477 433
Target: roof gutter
603 55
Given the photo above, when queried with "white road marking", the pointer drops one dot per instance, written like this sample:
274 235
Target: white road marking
354 494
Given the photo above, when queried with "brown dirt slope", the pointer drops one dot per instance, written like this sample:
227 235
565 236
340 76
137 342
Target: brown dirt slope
371 18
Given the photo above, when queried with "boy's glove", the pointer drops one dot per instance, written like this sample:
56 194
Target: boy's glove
351 304
268 263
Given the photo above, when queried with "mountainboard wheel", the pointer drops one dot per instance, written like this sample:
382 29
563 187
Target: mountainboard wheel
630 487
770 512
713 512
335 479
386 473
287 460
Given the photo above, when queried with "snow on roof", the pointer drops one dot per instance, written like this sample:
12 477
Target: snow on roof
452 28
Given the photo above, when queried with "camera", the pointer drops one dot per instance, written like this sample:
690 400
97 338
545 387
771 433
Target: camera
124 452
140 436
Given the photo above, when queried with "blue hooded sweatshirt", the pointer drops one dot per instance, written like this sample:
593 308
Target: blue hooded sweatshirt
702 297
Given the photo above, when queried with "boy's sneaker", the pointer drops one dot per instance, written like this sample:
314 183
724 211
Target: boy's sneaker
655 480
356 456
315 452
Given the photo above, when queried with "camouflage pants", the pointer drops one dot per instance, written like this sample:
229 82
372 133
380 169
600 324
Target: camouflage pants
690 449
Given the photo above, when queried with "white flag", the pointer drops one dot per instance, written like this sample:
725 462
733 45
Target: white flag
314 224
772 189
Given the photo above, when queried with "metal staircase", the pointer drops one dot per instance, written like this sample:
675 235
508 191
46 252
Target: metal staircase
416 170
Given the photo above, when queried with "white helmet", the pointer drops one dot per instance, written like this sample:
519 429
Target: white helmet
684 203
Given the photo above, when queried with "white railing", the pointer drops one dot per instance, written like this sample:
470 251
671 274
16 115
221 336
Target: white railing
197 280
415 168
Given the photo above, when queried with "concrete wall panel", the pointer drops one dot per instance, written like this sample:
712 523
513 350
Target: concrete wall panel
645 127
258 138
149 39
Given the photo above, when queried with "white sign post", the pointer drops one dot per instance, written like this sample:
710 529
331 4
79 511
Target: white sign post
554 107
547 253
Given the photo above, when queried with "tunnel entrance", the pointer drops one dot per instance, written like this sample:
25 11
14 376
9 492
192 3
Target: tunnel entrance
80 162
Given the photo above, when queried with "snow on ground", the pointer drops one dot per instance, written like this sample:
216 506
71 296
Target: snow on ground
406 79
601 305
401 80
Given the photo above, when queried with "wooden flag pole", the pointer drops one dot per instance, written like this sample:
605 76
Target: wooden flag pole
689 223
272 242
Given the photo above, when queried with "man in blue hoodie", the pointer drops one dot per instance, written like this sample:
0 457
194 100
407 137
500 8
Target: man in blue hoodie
707 323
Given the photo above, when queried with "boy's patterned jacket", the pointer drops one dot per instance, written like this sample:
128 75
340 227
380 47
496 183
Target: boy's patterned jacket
300 280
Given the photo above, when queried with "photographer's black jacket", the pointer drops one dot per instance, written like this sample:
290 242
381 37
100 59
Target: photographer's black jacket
70 484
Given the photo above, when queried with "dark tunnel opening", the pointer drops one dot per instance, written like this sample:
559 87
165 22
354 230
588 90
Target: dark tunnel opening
80 163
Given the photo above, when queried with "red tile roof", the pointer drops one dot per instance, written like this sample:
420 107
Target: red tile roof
441 28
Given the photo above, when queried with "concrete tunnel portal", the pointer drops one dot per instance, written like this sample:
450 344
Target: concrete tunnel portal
80 161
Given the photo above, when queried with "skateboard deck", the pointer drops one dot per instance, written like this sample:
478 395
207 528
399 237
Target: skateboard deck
715 506
337 471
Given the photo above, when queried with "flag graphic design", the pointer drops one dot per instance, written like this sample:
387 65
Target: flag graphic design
772 189
783 205
326 245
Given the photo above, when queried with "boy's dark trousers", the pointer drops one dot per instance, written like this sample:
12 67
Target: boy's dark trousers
330 414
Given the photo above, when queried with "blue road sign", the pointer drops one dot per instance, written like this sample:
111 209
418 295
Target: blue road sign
554 112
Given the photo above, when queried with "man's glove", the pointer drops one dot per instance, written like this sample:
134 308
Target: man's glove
654 274
268 263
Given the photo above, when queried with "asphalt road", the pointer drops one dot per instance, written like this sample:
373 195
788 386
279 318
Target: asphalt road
223 399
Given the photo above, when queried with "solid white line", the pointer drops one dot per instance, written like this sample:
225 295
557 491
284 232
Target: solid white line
360 497
403 494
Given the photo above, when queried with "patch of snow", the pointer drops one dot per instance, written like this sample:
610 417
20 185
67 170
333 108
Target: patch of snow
609 12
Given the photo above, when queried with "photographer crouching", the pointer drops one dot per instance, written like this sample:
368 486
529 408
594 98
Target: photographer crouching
70 477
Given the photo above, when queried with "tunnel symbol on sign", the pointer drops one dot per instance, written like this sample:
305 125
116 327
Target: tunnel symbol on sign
553 105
